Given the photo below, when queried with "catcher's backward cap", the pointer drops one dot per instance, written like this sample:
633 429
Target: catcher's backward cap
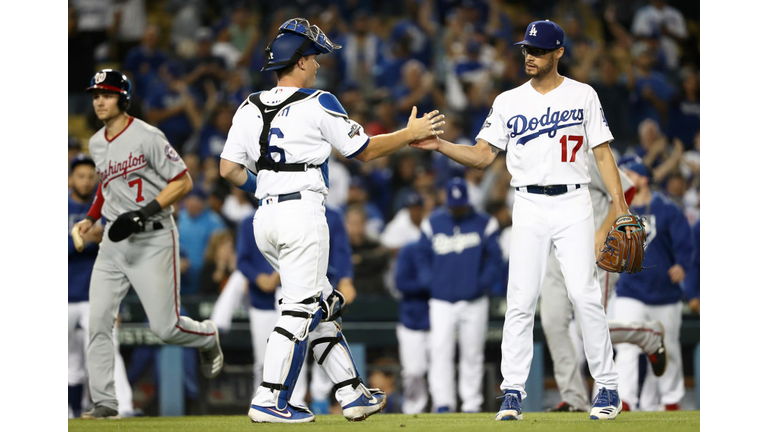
544 35
295 39
114 81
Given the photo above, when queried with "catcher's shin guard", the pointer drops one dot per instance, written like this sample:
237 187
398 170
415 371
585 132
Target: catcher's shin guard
332 353
287 349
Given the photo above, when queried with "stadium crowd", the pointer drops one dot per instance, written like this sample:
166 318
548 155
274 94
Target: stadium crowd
193 62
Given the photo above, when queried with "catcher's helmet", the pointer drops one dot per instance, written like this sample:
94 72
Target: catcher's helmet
114 81
295 39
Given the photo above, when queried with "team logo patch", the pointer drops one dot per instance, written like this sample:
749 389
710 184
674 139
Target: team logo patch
354 131
171 154
100 77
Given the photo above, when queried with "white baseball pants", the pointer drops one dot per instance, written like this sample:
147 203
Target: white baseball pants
564 222
413 346
468 319
293 237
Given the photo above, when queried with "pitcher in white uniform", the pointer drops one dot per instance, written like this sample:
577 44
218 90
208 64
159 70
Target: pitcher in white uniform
546 126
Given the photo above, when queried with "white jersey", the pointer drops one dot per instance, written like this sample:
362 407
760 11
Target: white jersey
302 132
546 136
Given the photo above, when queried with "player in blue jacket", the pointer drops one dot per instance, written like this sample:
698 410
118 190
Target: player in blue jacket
263 289
82 183
461 248
412 281
654 294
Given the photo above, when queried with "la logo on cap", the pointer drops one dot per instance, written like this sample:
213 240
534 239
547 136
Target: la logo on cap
456 192
533 30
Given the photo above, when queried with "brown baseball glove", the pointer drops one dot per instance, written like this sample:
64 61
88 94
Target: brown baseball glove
621 251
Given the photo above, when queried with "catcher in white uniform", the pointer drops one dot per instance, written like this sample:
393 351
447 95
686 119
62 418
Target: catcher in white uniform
286 135
557 311
546 126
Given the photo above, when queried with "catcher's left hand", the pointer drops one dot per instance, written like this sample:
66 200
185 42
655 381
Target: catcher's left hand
126 224
624 250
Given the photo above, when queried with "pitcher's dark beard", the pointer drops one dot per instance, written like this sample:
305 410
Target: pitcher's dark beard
543 70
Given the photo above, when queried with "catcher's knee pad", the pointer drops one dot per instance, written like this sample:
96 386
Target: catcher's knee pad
333 306
332 353
297 320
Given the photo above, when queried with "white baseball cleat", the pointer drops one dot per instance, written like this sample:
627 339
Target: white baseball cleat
606 405
291 414
212 359
369 403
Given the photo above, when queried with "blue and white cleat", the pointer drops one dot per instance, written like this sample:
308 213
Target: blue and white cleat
606 405
511 408
369 403
291 414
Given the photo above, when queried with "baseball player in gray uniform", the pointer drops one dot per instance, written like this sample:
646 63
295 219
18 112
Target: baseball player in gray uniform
141 177
557 310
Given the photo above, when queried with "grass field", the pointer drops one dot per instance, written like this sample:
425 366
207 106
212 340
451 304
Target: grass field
679 421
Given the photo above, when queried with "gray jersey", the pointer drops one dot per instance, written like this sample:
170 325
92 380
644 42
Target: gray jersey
134 167
601 198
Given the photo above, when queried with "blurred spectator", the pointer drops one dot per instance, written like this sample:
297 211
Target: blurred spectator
664 25
676 188
209 141
417 87
172 107
685 111
241 28
369 258
417 28
384 118
404 227
73 149
130 22
338 179
204 67
655 151
94 20
82 64
650 90
143 62
219 263
385 382
614 95
237 206
358 195
363 52
187 18
197 222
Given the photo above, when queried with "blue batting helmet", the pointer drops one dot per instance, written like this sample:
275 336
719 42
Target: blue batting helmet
295 39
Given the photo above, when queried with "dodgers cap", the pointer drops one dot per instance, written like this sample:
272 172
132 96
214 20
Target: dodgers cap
456 193
543 34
